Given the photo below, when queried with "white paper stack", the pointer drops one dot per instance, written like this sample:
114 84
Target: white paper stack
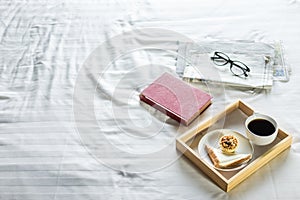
194 63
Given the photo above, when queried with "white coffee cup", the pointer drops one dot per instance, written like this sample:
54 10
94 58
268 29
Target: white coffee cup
261 129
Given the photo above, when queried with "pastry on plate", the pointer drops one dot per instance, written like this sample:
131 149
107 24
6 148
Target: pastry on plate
228 143
222 160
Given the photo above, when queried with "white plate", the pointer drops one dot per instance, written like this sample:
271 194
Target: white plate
212 139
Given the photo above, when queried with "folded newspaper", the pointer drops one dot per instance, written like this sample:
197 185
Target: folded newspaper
265 61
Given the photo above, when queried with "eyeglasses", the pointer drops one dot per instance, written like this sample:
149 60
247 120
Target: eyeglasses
236 67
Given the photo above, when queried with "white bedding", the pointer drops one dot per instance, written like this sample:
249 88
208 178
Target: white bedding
58 143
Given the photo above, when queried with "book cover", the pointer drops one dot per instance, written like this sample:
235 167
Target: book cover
175 98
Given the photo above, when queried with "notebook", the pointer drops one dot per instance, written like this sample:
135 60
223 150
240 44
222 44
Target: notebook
176 98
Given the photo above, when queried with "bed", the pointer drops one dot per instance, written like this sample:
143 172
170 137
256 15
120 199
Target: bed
72 125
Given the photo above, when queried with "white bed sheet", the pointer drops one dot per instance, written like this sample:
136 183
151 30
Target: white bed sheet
43 47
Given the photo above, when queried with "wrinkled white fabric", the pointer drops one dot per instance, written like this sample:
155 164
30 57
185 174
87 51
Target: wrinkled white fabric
43 46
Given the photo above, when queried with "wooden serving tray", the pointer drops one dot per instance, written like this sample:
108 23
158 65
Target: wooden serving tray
233 117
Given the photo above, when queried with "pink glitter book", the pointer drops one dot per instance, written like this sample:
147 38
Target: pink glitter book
175 98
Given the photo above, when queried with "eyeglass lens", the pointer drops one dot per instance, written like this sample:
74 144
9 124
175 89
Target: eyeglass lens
220 59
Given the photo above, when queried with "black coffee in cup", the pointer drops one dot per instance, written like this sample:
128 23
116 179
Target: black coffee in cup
261 127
